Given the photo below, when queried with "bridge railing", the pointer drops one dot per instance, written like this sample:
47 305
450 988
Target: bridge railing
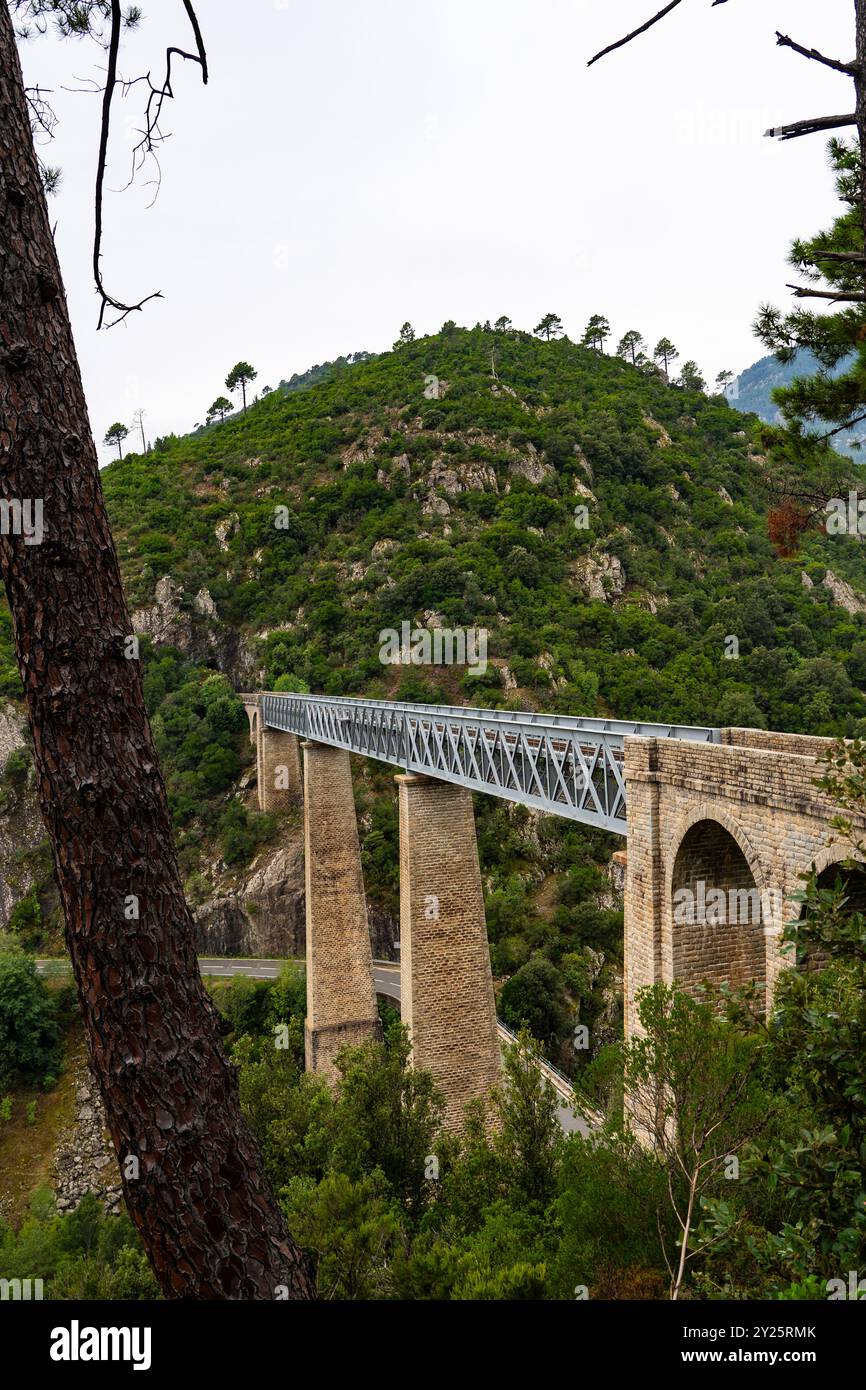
563 764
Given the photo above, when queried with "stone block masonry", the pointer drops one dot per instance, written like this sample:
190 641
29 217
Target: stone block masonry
341 997
279 783
445 978
279 770
743 816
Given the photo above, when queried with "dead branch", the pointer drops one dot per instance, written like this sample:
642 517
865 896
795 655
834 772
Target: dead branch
849 69
620 43
801 292
809 127
150 137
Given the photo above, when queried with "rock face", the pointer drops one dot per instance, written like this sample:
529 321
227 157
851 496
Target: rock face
532 466
196 631
265 915
165 622
84 1159
602 576
843 594
224 530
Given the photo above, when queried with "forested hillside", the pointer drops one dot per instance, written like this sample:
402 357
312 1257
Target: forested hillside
463 505
607 529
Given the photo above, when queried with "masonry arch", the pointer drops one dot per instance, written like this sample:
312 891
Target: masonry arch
718 907
830 868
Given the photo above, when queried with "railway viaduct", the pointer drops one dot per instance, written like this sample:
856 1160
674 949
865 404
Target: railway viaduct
718 824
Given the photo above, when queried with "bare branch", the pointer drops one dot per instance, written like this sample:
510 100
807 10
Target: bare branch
849 69
858 257
620 43
800 292
810 127
151 136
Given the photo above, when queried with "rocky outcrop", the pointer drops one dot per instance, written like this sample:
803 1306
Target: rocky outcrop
265 914
225 529
532 465
84 1159
664 440
165 622
196 631
843 594
602 576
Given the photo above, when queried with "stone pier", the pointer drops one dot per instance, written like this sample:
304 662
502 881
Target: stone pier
445 979
279 770
341 996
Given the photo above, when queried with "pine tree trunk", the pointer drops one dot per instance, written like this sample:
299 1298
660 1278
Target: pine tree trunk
206 1214
860 94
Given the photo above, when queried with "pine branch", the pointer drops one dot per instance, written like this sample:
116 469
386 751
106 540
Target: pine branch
849 69
620 43
855 420
858 257
800 292
152 117
810 127
635 33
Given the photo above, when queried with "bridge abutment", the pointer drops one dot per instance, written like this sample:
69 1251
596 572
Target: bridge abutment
718 836
341 997
446 984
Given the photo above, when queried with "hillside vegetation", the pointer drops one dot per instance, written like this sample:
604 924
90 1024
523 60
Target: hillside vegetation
606 528
401 505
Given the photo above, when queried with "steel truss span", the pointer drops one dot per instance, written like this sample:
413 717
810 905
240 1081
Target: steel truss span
568 766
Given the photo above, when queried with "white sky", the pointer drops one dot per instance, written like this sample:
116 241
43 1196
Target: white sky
351 165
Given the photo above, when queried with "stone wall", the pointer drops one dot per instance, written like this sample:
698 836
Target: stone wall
760 788
84 1159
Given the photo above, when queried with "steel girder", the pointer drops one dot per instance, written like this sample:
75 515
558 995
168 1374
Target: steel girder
567 766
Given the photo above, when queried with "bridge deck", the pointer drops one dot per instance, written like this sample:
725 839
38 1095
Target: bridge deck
558 763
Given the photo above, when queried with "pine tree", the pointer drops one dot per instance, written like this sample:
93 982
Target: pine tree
115 434
666 353
630 345
549 327
241 375
597 330
691 378
208 1220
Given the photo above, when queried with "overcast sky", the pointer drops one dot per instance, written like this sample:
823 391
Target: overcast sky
351 165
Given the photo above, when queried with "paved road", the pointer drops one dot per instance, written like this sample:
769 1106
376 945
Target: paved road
387 980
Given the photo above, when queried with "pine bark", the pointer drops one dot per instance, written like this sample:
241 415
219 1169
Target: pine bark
860 95
207 1217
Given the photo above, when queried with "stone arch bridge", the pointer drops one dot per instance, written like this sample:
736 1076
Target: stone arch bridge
719 824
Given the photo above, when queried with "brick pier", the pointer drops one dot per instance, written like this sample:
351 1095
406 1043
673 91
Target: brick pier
446 985
341 997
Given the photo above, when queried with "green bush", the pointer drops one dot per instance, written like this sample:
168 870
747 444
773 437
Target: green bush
29 1035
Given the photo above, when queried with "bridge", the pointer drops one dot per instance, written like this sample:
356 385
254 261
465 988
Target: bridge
719 824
